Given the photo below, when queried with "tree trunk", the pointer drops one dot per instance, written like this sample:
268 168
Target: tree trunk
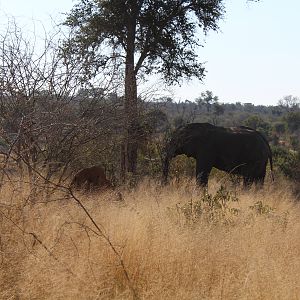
131 140
131 119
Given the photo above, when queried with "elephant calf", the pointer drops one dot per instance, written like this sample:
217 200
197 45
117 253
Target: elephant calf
90 179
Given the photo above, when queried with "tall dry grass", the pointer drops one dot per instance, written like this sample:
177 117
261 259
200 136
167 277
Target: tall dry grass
174 243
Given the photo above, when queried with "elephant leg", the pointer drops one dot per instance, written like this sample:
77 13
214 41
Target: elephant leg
202 172
259 180
247 181
257 176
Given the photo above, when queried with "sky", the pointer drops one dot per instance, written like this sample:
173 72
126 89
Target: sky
254 57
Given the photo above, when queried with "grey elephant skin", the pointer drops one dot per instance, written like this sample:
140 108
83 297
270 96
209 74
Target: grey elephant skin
90 179
236 150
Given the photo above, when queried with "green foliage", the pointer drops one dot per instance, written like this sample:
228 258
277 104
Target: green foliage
261 209
207 99
264 210
179 121
218 109
182 166
293 121
213 209
257 123
149 159
156 121
280 127
287 161
3 145
294 141
161 34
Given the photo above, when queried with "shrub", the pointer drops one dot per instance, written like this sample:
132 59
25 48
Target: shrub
211 208
288 162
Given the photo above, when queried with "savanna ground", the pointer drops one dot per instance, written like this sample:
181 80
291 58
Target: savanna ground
169 242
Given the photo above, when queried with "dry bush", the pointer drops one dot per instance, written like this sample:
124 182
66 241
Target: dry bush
53 120
245 249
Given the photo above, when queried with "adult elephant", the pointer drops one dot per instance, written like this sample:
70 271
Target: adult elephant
235 150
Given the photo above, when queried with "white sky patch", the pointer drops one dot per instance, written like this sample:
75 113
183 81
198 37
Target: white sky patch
254 58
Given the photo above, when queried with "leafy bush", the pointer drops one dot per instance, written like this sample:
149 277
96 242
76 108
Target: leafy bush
293 121
288 162
213 209
260 208
182 165
259 124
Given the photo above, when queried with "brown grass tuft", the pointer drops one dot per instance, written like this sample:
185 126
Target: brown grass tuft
174 242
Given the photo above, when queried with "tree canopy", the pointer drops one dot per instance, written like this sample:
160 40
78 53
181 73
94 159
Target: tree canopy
161 34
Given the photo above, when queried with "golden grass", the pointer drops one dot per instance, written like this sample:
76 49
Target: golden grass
168 251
